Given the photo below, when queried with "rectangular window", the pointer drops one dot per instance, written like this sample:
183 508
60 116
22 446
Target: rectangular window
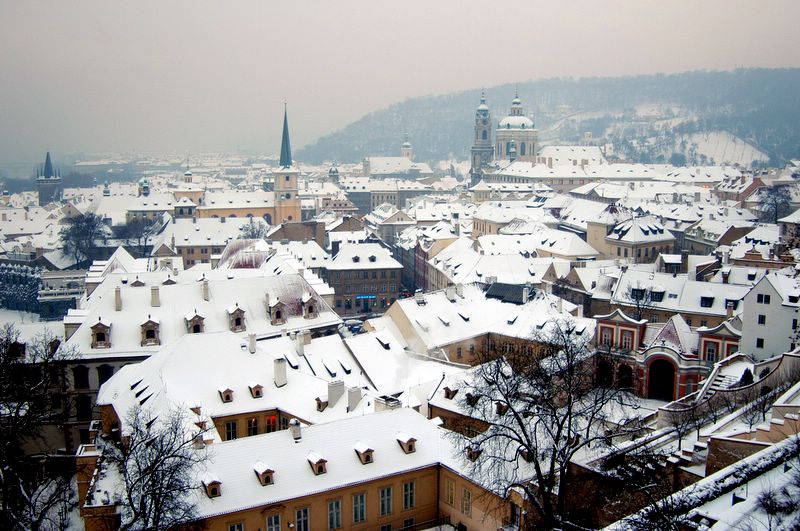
230 430
335 514
386 527
762 319
236 527
759 342
408 523
252 426
386 501
301 520
409 496
449 491
466 501
274 522
359 507
458 352
272 423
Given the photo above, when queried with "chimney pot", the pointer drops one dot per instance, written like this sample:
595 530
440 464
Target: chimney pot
295 430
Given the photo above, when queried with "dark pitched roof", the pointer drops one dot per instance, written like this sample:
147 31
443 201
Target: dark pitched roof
48 171
286 148
512 293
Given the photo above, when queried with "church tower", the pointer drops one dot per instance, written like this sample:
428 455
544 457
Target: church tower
406 150
287 204
482 151
48 182
516 130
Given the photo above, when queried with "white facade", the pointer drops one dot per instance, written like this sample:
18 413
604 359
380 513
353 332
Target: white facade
769 318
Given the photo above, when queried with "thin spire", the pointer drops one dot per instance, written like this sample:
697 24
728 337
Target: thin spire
286 148
516 90
48 167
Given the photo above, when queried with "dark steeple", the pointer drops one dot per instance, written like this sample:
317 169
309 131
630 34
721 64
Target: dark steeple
286 148
48 172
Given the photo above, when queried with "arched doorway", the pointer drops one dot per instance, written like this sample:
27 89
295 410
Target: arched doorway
604 373
661 380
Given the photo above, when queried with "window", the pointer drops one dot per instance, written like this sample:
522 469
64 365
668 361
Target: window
762 319
466 501
703 322
386 501
759 342
274 522
409 496
386 527
408 523
458 352
627 340
236 527
605 337
449 491
706 302
80 377
83 407
252 426
762 299
711 351
359 507
334 514
301 520
230 430
272 423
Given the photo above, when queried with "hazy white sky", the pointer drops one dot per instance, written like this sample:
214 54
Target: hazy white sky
203 76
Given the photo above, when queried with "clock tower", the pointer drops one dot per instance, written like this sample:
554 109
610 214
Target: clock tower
482 151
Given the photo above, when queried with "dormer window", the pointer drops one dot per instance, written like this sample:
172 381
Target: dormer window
471 399
373 258
226 394
137 283
450 393
706 301
212 485
364 453
407 442
256 390
150 331
501 408
317 462
195 323
310 307
236 321
263 473
277 313
101 334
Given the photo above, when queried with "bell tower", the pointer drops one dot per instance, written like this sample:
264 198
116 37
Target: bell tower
287 204
482 151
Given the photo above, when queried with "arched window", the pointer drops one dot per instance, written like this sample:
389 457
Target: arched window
484 135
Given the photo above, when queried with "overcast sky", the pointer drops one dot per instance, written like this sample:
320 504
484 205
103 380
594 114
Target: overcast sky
212 76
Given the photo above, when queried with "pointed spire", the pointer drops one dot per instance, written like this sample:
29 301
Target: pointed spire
286 148
48 167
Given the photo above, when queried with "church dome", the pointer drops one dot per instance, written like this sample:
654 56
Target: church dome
515 122
333 171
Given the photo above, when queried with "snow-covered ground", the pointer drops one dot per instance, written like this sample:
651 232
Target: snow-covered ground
723 148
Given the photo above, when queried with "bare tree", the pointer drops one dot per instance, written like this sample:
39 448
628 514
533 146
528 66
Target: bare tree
34 490
81 235
136 234
776 202
254 230
640 300
539 412
157 463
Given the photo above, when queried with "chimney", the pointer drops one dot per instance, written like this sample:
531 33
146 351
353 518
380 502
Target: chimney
460 290
294 429
305 337
353 398
729 309
194 219
299 345
279 371
118 299
450 292
559 304
251 343
204 289
526 293
335 392
155 300
386 403
301 271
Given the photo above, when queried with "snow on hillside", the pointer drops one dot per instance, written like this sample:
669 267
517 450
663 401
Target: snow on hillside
721 147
